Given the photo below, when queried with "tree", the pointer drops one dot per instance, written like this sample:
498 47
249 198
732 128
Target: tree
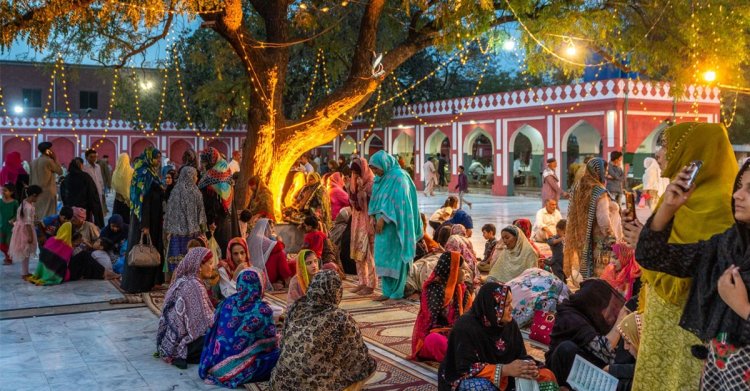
673 41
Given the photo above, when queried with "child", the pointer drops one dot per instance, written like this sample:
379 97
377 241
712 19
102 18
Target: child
557 245
319 243
23 241
8 208
443 214
102 251
488 232
462 187
245 217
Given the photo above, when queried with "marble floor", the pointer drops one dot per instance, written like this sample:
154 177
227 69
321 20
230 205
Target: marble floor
114 349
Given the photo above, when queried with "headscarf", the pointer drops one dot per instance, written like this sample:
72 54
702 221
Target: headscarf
261 246
79 213
189 159
580 319
115 237
228 263
145 175
339 226
395 196
185 213
706 314
360 198
460 243
525 226
510 263
480 338
122 176
302 277
187 313
218 177
12 168
317 331
629 270
243 328
54 258
630 328
262 201
706 212
298 182
582 215
463 218
337 194
444 299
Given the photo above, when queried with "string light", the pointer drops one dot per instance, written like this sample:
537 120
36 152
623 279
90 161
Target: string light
112 99
312 83
67 100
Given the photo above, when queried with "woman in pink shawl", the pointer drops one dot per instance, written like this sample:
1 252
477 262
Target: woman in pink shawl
623 271
337 194
13 172
187 313
360 191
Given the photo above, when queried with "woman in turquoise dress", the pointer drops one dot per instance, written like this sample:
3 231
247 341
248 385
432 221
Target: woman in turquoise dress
398 225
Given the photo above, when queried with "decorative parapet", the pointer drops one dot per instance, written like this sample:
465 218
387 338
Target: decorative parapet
94 124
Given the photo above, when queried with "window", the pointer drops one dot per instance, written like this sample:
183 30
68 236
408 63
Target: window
32 98
89 100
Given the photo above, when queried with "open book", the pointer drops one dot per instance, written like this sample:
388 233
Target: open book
585 376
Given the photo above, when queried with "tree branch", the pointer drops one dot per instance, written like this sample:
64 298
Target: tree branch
27 18
361 60
149 42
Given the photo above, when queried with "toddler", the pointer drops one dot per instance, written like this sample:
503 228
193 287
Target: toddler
23 242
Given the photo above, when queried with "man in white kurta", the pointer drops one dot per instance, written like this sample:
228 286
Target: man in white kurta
546 221
430 177
91 167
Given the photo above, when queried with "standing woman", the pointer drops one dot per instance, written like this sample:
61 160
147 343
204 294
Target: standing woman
590 222
121 178
398 224
146 198
337 194
13 172
185 218
216 187
261 200
80 191
362 234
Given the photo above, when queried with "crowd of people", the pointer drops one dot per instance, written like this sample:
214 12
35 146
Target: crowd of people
607 287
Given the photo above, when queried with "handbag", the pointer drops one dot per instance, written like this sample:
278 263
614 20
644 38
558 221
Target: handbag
541 326
144 254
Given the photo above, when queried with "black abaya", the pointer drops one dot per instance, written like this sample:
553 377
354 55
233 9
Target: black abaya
143 279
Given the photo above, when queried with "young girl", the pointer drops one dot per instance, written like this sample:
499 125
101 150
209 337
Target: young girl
8 208
23 239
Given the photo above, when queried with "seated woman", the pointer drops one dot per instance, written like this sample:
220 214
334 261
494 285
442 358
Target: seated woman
585 326
187 313
419 272
516 257
623 272
461 217
52 268
525 226
308 265
318 242
444 213
261 200
624 368
460 243
444 299
230 267
486 349
536 290
425 245
311 200
267 253
321 347
443 234
116 231
241 346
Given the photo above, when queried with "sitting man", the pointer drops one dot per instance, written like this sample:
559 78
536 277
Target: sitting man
546 219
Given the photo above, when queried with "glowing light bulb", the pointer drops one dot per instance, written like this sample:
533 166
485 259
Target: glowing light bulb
509 45
18 109
709 76
571 50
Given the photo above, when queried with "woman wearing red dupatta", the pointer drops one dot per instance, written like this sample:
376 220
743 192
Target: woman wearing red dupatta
444 299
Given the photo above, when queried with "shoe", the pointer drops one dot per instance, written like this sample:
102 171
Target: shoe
180 363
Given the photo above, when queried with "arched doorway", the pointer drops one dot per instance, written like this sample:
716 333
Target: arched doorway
580 141
478 159
525 159
221 147
347 146
177 149
138 147
106 147
372 145
17 144
64 149
403 146
436 144
646 149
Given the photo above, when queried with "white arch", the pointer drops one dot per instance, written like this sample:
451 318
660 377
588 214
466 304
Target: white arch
649 143
403 144
366 149
434 142
347 146
471 138
587 135
534 135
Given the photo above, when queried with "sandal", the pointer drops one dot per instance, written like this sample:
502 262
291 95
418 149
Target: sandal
365 291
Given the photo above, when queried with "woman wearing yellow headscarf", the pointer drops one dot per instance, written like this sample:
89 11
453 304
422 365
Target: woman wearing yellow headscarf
705 214
121 178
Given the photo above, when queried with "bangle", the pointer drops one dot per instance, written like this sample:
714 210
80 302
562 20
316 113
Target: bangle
498 371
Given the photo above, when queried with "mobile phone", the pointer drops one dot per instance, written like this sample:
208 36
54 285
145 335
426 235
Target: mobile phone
629 205
694 167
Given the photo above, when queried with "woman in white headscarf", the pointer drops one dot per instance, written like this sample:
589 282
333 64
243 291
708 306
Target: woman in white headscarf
653 184
267 254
